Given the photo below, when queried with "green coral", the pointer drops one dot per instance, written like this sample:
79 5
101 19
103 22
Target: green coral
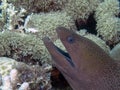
107 23
46 23
18 46
81 8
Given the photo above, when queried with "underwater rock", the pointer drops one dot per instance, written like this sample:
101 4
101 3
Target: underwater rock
115 52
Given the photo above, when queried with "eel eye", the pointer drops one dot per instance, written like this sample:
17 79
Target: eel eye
70 39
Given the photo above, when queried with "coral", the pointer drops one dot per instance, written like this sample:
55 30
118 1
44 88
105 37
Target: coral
37 76
6 65
11 19
108 24
15 18
3 15
39 5
115 52
81 9
46 23
23 47
26 78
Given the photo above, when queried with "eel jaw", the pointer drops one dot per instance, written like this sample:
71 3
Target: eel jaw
66 55
53 50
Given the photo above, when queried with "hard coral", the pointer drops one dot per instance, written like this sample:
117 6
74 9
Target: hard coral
38 6
81 9
25 77
37 76
23 47
46 23
108 24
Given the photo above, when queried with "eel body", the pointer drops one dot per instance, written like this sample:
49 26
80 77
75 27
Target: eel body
85 65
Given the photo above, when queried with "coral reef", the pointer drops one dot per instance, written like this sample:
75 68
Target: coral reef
107 23
81 9
23 23
23 47
37 76
15 18
39 5
24 76
10 82
46 23
11 19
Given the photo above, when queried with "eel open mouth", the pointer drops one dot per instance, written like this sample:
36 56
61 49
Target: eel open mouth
53 48
65 54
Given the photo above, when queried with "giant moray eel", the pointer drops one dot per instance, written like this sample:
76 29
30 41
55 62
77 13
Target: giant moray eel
86 66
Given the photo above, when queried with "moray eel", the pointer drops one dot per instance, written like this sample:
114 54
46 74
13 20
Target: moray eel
86 66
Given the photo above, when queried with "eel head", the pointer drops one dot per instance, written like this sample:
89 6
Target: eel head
85 65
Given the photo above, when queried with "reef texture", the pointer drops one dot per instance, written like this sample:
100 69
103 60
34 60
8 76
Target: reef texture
39 5
23 23
23 47
46 23
38 77
108 24
81 9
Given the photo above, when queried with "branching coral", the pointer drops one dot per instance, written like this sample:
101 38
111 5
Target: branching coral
107 23
81 9
11 19
46 23
15 18
23 47
39 5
